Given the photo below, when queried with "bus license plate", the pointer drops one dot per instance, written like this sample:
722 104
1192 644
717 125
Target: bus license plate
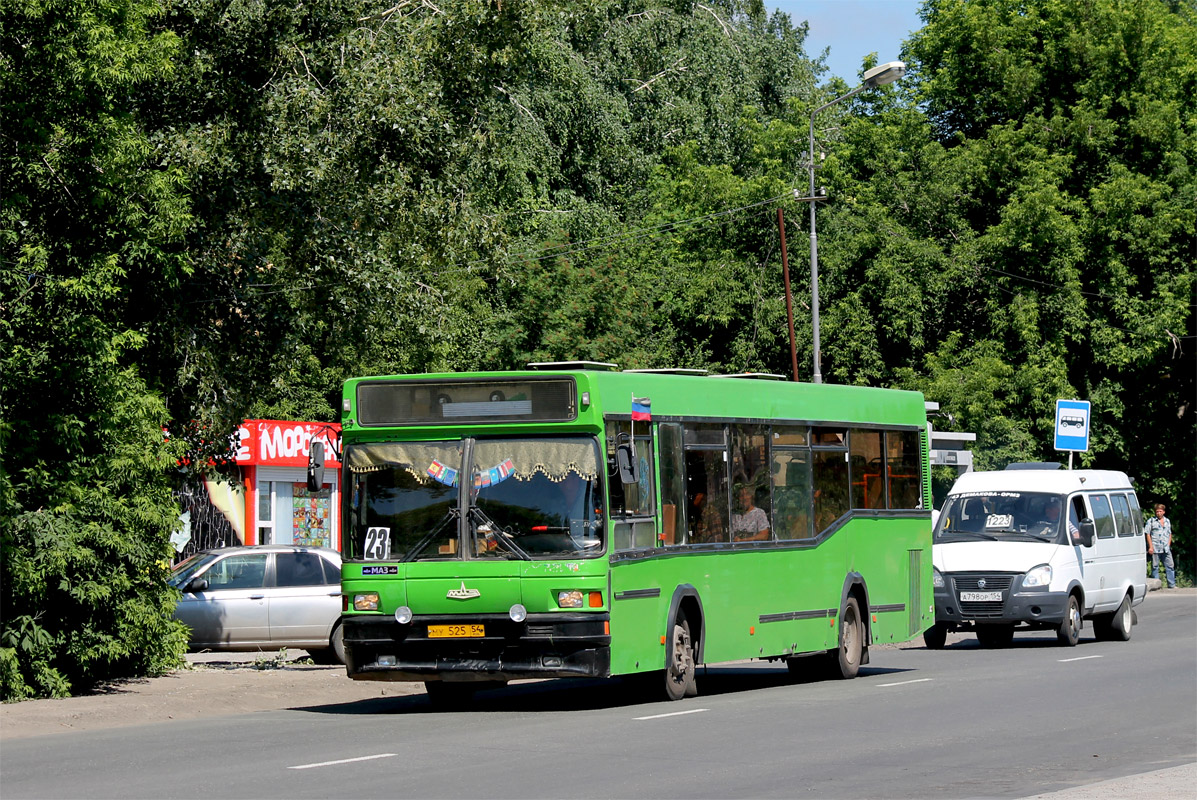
456 631
980 597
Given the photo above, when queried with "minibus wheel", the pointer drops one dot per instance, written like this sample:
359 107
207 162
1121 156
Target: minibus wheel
1070 629
1116 626
936 636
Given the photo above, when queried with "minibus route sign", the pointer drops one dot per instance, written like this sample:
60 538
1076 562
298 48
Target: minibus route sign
1072 425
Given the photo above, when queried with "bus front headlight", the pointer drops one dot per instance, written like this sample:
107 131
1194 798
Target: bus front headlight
1038 576
366 601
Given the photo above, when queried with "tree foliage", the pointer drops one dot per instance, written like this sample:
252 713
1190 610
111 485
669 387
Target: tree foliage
212 210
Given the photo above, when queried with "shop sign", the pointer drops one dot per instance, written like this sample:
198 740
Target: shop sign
284 444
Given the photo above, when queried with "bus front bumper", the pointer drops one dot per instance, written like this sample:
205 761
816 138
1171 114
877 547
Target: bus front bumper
559 645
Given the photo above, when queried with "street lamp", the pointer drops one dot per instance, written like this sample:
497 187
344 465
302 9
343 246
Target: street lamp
877 76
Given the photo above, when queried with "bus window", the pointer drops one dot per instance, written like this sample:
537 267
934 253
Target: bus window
830 487
750 483
903 464
791 494
673 483
706 496
868 471
633 499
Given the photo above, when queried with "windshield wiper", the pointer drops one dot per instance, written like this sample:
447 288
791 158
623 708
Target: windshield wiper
429 537
501 536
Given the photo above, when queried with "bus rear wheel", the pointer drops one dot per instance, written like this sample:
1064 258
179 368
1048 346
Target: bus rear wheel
679 675
845 662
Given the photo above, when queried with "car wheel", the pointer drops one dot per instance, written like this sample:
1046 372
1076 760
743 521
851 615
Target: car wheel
334 653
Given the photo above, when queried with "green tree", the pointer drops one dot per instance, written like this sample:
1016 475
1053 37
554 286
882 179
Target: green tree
90 224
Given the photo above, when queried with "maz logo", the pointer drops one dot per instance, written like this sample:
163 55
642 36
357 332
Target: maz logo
463 593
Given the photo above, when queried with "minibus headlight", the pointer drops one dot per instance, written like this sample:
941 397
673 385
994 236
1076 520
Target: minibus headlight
366 601
937 579
1039 576
571 598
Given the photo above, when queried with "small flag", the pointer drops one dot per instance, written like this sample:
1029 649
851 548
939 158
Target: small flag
641 411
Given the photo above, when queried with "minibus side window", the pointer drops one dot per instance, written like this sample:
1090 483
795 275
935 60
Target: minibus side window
1102 517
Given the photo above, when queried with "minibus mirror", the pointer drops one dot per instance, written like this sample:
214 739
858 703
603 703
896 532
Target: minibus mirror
198 585
316 467
625 461
1087 532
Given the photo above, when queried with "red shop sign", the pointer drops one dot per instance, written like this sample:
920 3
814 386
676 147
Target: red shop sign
275 443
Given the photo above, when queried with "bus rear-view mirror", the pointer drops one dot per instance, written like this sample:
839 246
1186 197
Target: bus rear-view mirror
625 462
316 467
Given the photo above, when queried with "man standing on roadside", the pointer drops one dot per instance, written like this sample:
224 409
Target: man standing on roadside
1159 546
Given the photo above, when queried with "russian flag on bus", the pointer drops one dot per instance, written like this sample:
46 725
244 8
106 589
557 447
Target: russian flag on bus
641 411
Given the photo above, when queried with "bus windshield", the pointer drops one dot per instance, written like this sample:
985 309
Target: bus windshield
533 497
998 515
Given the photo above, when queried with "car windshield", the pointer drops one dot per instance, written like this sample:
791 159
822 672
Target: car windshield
533 497
188 567
997 516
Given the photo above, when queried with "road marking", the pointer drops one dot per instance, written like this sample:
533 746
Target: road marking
344 761
902 683
674 713
1081 658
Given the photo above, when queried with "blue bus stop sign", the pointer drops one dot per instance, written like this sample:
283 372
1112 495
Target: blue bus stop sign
1072 425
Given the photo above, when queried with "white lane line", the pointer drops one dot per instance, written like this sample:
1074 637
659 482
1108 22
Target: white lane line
674 713
902 683
344 761
1081 658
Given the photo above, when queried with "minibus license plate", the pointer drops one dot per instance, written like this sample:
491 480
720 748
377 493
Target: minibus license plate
456 631
980 597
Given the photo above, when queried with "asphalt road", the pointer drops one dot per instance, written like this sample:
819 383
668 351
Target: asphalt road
961 722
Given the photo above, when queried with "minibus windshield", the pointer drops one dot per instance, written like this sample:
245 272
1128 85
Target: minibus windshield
1000 515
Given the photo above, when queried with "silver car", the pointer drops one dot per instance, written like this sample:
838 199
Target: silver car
263 598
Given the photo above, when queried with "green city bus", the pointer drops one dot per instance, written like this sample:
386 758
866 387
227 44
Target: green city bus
574 520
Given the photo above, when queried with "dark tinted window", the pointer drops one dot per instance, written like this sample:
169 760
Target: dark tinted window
707 496
298 569
830 487
903 463
332 572
420 403
673 485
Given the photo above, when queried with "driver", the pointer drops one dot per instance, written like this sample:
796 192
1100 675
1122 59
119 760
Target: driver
1051 519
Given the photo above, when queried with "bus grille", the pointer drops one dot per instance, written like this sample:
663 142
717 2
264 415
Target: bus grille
971 582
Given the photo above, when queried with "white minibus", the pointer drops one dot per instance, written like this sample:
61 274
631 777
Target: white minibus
1036 547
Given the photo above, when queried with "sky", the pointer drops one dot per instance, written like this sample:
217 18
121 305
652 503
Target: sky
853 29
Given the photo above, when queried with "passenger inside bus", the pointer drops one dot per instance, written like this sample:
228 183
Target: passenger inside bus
749 523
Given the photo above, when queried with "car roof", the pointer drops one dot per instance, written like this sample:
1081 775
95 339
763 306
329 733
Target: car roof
272 548
1050 481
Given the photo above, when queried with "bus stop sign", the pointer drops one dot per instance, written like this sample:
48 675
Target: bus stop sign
1072 425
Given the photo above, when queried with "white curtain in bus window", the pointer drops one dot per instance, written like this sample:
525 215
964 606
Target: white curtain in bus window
867 469
311 516
903 463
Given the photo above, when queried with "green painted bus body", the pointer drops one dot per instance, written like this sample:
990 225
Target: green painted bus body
758 600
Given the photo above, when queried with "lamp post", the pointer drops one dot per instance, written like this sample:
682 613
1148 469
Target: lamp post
877 76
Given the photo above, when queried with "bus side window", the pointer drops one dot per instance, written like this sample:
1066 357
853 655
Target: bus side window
791 494
830 468
673 483
706 496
